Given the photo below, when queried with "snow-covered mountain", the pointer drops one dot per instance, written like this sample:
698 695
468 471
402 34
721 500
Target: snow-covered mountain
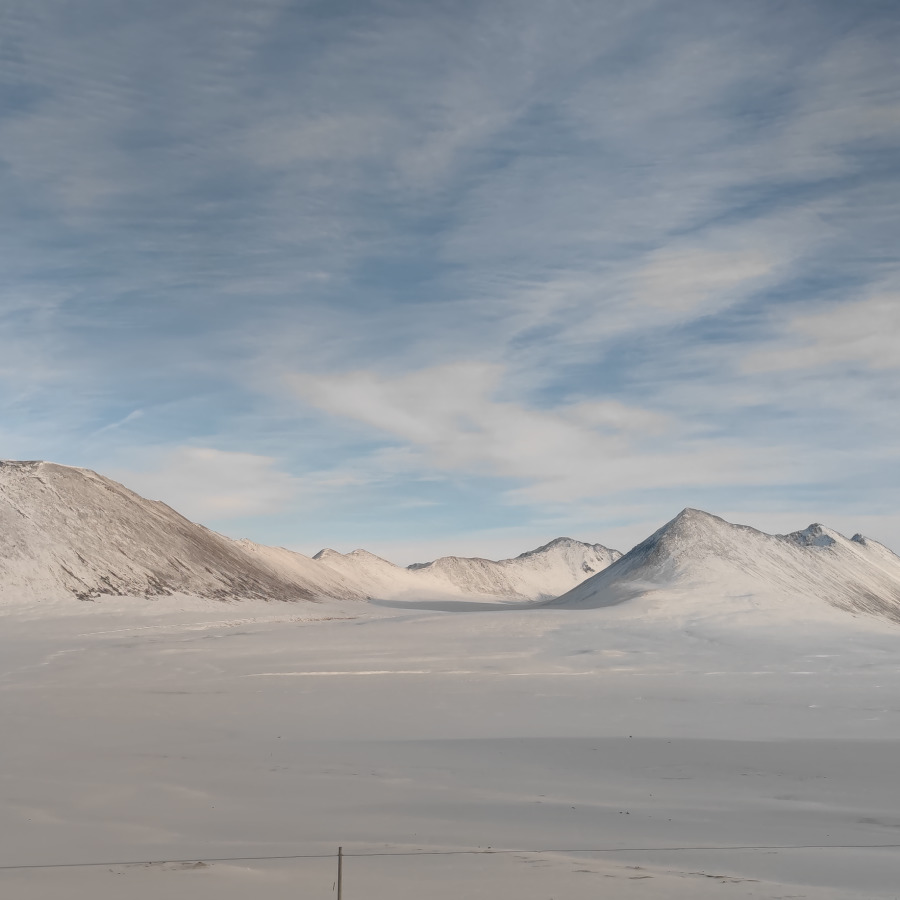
66 531
71 532
706 558
536 575
545 572
377 577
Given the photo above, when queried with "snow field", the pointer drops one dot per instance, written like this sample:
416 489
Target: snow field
192 735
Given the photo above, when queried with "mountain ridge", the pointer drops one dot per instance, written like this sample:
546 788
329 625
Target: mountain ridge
542 573
69 531
536 574
697 551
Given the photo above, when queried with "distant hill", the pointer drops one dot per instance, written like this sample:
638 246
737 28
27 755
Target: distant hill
536 575
542 573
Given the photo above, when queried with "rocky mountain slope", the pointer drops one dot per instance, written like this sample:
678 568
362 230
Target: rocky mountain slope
711 560
66 531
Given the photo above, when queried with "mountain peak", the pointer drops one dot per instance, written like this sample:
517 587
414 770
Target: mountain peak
326 553
689 525
25 465
691 515
815 535
559 542
368 556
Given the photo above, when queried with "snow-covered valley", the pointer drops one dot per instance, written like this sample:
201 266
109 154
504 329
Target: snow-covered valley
243 730
714 714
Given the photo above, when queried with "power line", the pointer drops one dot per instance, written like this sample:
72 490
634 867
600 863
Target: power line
480 852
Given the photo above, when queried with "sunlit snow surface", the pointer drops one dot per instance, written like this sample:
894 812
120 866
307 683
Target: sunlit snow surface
194 730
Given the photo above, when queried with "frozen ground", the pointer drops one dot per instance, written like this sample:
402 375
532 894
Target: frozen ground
188 731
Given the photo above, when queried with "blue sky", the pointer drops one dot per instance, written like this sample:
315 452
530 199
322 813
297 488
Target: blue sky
456 277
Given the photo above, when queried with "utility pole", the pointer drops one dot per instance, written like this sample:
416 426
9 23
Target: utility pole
340 871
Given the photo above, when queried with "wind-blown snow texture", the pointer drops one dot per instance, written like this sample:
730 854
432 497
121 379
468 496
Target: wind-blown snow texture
69 531
699 555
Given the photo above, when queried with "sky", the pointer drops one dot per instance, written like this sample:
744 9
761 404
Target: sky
457 277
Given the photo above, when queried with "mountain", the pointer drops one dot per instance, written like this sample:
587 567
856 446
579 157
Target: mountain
701 555
376 576
66 531
536 575
543 573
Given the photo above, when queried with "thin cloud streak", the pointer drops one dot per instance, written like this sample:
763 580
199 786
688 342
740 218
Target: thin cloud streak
206 483
597 220
451 414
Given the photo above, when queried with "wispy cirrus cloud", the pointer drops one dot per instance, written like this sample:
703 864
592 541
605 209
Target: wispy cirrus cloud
861 332
205 483
454 419
685 281
581 222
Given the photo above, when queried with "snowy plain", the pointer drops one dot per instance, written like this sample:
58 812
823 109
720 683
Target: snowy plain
183 731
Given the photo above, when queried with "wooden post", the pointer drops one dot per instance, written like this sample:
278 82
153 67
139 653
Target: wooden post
340 871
